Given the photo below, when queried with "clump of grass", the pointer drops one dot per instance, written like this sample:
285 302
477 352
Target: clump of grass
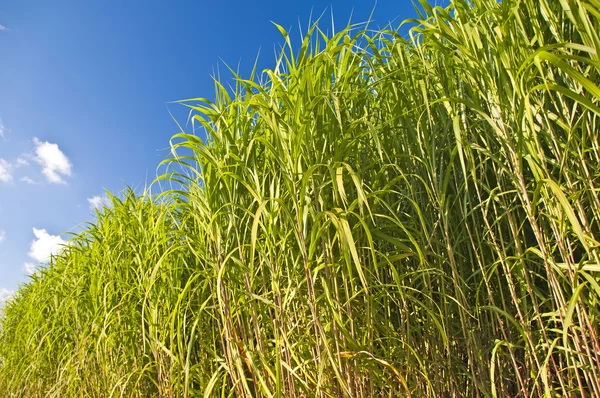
374 216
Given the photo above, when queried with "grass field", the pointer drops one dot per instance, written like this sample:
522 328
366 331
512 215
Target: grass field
376 215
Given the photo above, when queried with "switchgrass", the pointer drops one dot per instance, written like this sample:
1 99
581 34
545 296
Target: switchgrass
376 215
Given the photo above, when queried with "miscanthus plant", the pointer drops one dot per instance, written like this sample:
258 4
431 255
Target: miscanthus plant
376 215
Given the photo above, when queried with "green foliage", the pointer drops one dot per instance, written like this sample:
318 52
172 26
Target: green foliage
374 216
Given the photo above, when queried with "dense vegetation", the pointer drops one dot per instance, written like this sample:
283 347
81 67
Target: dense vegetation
377 215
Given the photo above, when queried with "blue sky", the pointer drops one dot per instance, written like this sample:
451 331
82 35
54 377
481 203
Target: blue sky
85 88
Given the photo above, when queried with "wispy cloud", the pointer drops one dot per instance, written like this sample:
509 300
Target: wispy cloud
45 245
2 236
55 164
29 268
2 128
5 171
27 180
22 160
5 295
3 28
98 202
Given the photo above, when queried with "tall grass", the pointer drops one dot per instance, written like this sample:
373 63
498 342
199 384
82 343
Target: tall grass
376 215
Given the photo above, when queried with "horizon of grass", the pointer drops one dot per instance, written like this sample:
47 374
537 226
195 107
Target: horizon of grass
376 215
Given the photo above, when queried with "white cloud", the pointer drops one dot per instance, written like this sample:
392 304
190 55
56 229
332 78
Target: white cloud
5 295
2 128
45 245
54 163
98 202
5 168
2 27
2 236
29 268
27 180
